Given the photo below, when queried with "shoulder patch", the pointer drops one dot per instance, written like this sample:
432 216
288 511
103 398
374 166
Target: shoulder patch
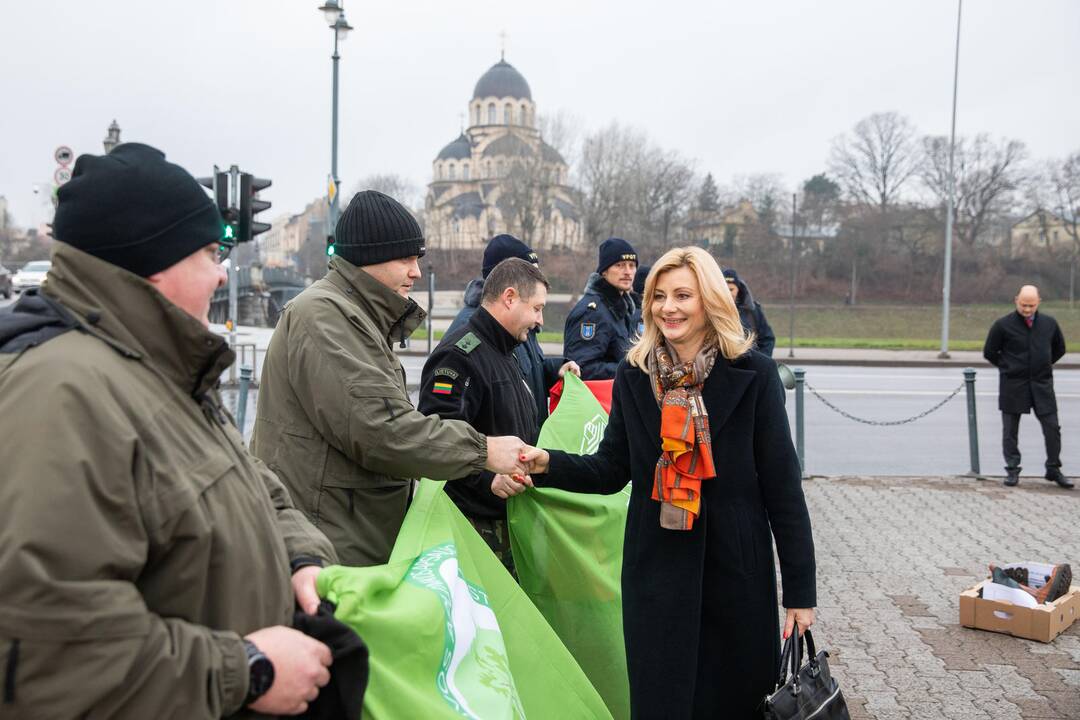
448 372
588 331
442 388
468 343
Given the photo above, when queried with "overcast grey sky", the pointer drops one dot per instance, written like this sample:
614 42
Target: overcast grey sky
740 87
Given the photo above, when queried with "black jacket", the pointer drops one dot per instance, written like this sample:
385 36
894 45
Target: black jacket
472 376
599 329
753 318
699 606
1025 358
540 373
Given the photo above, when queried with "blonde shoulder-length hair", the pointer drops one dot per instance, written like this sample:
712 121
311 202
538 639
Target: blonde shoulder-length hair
723 324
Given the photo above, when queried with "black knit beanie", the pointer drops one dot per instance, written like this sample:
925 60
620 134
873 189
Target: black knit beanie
133 209
614 250
376 228
503 247
731 275
639 278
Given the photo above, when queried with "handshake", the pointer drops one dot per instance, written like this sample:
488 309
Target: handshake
513 462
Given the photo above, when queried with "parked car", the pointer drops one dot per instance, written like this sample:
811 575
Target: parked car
30 275
5 282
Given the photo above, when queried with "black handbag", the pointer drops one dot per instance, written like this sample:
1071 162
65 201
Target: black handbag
811 691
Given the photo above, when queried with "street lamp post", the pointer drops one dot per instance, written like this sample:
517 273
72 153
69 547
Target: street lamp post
334 12
112 139
946 290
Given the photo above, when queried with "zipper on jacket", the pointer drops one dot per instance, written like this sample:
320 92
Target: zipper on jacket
464 389
9 673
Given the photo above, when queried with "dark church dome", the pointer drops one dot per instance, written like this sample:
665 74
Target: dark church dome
501 81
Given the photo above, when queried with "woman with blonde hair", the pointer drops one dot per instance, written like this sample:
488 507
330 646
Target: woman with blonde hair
698 426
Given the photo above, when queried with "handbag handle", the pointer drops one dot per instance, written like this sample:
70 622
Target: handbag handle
791 659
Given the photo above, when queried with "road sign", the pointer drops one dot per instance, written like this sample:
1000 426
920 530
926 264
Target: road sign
64 155
62 175
331 189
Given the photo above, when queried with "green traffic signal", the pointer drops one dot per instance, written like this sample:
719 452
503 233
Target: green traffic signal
330 250
230 233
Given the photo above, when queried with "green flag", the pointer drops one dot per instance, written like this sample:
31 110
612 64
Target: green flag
450 634
568 552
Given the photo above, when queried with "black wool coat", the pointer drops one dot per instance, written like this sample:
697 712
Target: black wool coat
1025 358
699 606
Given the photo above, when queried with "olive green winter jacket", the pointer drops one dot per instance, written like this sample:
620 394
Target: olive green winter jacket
335 420
139 540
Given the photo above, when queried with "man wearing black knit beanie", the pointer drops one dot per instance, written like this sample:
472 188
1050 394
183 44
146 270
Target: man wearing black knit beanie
334 418
151 566
599 329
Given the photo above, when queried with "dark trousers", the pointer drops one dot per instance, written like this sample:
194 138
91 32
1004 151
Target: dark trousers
497 536
1010 425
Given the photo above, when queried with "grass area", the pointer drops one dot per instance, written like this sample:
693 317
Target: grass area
884 327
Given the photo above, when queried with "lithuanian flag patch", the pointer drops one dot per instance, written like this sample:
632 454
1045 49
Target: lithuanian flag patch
443 388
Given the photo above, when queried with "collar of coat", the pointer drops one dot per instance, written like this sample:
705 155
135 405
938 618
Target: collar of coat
474 292
129 314
492 330
620 303
395 316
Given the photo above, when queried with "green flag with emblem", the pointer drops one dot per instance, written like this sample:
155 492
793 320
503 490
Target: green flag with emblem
568 552
450 634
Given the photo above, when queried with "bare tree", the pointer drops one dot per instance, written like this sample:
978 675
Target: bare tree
525 190
987 175
873 164
633 188
876 160
396 186
766 193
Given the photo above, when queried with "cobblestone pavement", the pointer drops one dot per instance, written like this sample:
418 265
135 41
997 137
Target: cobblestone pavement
893 556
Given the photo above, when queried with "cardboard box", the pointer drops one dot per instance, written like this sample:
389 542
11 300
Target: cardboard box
1042 623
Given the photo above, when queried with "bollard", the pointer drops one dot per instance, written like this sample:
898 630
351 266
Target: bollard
800 443
973 425
430 306
241 401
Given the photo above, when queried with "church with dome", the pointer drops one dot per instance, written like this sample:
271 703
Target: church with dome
500 176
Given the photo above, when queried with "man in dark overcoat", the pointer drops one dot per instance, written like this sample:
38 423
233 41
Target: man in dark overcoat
1024 345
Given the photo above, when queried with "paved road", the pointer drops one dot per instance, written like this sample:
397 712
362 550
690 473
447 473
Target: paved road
934 445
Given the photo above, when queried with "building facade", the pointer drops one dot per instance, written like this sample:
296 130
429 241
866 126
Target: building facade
500 176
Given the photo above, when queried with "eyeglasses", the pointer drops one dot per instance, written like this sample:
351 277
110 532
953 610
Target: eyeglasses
223 252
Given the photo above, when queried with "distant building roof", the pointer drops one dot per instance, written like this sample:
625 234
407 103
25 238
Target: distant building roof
509 144
502 80
467 205
459 149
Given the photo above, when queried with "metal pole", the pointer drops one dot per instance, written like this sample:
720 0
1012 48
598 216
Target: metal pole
791 299
430 306
333 140
234 276
241 401
800 438
973 424
947 289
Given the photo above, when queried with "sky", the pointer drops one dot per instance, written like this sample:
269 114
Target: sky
737 87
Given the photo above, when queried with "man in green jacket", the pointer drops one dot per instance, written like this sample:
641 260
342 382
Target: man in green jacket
149 563
334 418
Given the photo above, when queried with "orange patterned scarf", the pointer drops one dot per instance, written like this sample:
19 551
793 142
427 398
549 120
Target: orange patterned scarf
686 458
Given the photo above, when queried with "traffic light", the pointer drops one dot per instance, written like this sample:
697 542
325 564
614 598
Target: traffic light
218 183
250 206
330 246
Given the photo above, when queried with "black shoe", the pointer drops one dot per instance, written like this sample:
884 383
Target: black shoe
1019 574
1002 577
1057 584
1055 475
1012 479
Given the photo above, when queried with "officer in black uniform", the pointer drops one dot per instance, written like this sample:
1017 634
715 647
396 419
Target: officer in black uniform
751 314
541 373
473 376
599 329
